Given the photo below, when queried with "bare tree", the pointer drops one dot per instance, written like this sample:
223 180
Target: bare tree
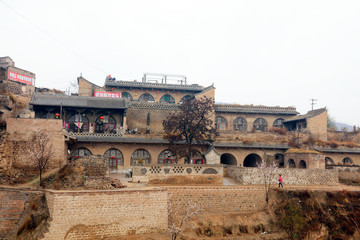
179 215
191 125
41 151
268 169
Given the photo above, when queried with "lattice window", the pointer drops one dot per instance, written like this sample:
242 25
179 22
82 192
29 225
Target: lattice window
178 169
220 123
126 95
197 169
167 98
279 123
240 124
155 169
146 97
260 124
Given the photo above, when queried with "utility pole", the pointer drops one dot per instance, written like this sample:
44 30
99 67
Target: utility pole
313 102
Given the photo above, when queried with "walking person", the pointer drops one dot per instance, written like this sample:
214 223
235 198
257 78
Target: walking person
280 181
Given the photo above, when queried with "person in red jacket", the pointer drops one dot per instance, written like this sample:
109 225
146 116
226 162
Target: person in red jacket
280 181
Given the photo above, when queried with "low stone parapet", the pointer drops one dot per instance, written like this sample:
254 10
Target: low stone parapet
290 175
178 174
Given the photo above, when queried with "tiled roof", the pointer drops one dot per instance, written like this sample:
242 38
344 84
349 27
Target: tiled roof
192 87
229 108
338 150
78 102
309 114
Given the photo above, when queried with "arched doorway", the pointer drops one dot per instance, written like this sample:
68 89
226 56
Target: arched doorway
302 164
291 163
279 158
228 159
115 158
252 160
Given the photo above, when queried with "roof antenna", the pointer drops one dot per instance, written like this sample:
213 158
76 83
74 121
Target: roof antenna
313 102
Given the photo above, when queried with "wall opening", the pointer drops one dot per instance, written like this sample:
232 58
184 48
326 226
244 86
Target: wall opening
302 164
252 160
228 159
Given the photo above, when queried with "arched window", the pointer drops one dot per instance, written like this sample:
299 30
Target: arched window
167 157
220 123
347 160
115 158
252 160
140 156
80 152
279 123
78 123
329 161
126 95
185 98
240 124
302 164
146 97
167 98
105 123
260 124
291 163
196 158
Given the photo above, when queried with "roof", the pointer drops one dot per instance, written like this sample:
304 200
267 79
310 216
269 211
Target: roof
230 108
78 102
250 146
192 87
309 114
337 150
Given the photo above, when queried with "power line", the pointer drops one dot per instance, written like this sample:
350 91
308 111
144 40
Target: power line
313 102
51 37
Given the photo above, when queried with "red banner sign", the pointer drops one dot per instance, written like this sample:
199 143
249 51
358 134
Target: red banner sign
107 94
20 78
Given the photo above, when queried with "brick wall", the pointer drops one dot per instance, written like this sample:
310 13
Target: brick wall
178 174
21 130
312 160
12 203
290 176
318 126
105 214
219 199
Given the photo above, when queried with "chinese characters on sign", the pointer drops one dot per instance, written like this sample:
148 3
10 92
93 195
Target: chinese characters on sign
20 78
107 94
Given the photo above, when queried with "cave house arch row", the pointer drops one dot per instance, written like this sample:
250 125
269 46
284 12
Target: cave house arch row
220 123
80 152
228 159
167 98
115 158
167 157
139 157
252 160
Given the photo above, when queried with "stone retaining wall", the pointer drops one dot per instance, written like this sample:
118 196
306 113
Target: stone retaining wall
178 174
290 176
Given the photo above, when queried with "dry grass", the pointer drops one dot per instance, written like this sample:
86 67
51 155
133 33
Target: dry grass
298 150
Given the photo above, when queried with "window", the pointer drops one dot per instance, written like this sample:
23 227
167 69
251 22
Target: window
220 123
78 123
279 123
260 124
80 152
196 158
347 160
126 95
167 157
185 98
167 99
140 156
115 158
146 98
240 124
105 123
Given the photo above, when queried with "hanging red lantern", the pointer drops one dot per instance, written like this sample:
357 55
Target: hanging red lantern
57 115
101 118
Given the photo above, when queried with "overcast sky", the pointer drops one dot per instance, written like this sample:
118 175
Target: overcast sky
273 53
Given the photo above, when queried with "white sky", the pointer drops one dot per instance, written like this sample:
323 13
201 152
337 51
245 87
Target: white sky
255 52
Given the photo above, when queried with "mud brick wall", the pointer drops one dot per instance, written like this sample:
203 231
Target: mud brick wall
290 176
219 199
12 203
22 130
94 165
105 214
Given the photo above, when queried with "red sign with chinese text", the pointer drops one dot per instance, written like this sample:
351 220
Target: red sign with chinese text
20 78
107 94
